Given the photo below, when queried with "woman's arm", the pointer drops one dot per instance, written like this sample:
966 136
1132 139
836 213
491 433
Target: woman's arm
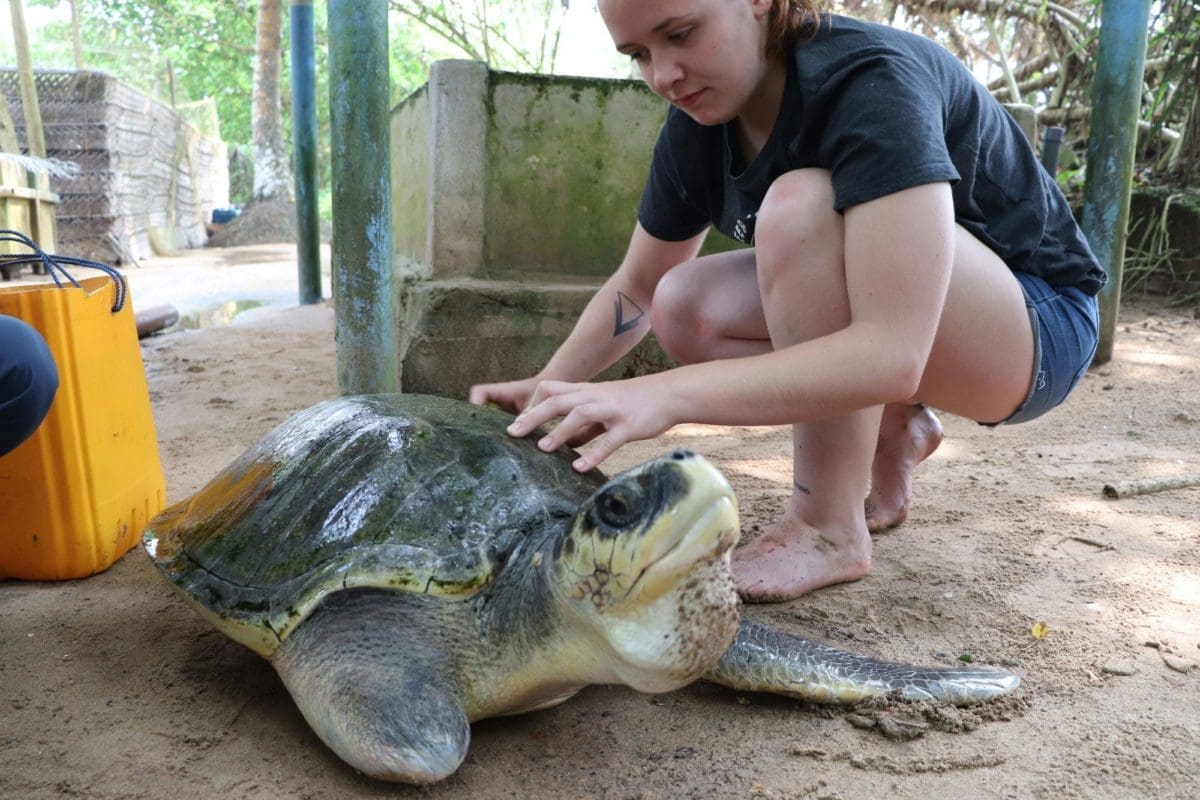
618 315
614 320
899 251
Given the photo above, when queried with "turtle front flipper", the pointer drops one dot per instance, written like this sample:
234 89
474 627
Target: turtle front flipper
762 659
381 700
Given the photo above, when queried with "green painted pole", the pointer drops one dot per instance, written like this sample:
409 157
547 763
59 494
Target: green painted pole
304 150
1116 98
364 297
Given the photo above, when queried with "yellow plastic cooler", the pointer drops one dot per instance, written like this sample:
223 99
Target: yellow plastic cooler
76 495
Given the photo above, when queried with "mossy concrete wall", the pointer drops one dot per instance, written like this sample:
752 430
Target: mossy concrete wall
502 174
513 197
410 170
459 332
566 162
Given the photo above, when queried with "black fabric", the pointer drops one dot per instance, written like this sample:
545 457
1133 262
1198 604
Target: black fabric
28 382
883 110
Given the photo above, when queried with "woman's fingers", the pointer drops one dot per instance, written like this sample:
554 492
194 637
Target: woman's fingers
583 423
495 396
601 448
510 396
585 435
576 424
544 405
608 415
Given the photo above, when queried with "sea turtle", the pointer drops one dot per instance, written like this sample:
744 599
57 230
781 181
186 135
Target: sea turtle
408 568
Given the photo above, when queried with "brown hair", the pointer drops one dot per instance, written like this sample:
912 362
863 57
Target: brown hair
789 20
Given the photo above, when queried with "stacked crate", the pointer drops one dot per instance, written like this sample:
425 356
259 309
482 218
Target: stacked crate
143 171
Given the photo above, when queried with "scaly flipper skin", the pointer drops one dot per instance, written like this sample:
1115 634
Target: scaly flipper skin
762 659
374 691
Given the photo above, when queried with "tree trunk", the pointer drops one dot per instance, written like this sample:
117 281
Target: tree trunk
76 38
8 131
272 169
34 138
1186 158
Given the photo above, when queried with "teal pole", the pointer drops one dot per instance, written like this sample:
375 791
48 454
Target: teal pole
364 297
304 151
1116 99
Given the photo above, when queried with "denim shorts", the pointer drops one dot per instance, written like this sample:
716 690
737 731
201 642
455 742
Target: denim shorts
1066 325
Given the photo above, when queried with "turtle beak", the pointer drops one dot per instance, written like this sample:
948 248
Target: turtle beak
648 530
705 535
701 527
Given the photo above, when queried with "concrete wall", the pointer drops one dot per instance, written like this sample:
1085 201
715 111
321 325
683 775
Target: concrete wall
513 197
503 175
410 176
498 174
566 162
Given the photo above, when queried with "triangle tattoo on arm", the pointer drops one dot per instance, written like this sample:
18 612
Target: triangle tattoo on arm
622 306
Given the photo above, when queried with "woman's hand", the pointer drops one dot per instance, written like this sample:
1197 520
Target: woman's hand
511 396
611 414
514 397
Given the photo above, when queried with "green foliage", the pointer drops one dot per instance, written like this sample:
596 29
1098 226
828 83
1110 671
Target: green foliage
1049 49
207 44
517 35
410 55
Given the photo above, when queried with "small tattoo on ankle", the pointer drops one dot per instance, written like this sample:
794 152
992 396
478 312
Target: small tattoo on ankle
804 489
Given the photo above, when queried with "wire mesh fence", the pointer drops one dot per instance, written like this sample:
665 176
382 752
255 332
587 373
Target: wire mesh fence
146 178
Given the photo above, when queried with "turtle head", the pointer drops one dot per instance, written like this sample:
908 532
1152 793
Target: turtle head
645 566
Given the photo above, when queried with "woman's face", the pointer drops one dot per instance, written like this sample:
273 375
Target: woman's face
707 57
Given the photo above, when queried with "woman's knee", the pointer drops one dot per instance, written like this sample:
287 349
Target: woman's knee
677 316
797 223
797 204
801 258
709 308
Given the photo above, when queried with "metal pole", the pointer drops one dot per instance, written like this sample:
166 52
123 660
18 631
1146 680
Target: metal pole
364 297
304 151
1116 97
1051 145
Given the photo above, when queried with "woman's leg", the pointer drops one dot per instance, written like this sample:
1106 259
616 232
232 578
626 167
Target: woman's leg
821 538
713 308
981 359
710 308
982 354
908 434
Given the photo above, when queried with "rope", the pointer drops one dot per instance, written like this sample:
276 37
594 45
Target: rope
54 265
54 167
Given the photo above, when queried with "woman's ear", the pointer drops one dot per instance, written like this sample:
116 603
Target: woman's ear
763 7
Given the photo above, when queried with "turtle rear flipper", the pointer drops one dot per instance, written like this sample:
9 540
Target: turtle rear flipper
371 691
762 659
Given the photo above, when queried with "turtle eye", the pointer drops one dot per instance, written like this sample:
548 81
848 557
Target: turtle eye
619 506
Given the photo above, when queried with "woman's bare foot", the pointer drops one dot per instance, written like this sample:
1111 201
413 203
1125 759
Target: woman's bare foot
907 436
792 558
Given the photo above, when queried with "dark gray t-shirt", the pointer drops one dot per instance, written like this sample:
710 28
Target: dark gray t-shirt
883 110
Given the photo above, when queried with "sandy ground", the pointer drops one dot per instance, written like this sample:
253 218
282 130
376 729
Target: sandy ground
111 687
